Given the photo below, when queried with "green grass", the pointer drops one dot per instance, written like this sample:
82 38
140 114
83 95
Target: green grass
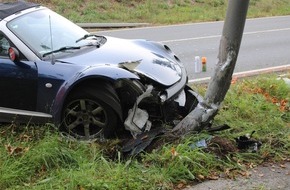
37 157
158 12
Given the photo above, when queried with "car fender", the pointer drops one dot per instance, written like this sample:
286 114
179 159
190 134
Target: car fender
104 72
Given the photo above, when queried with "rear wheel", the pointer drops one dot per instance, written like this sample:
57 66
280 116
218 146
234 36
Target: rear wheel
88 114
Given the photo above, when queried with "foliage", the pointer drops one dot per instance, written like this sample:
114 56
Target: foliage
37 157
158 12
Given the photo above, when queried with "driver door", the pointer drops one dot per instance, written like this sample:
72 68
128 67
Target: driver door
18 80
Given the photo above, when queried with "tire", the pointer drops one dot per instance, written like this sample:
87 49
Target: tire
88 113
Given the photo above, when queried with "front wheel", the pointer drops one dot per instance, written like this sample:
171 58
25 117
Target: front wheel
87 116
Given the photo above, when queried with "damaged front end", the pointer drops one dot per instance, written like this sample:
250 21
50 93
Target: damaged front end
150 107
147 104
147 115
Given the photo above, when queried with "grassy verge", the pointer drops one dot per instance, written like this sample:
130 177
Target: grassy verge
34 157
158 12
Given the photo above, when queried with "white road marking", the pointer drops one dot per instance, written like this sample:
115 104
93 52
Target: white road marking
218 36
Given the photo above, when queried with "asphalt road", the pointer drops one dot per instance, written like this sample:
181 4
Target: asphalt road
266 177
265 43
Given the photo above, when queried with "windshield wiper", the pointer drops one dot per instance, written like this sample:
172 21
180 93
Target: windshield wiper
87 36
61 49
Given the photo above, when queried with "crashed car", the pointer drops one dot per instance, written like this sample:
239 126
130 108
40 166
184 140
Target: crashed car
91 86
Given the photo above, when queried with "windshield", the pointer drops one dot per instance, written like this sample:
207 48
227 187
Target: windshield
44 31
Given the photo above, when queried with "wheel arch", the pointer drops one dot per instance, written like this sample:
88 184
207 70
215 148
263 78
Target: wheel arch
88 78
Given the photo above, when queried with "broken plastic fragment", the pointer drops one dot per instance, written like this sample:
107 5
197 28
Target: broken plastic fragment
181 99
142 141
199 144
247 142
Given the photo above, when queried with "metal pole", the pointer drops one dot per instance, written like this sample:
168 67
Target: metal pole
220 82
228 51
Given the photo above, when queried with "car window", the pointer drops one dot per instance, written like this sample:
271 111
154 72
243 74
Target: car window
44 31
4 46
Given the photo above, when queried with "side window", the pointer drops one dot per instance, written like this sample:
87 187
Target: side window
4 45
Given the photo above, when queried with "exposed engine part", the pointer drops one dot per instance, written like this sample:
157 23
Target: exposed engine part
138 119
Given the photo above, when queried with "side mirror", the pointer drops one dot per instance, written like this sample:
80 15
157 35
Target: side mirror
13 54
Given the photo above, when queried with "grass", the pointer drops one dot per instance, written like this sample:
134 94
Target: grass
37 157
158 12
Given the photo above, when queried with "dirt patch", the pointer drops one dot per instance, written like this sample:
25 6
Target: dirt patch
221 146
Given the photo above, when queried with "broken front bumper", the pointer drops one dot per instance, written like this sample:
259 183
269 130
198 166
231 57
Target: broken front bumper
173 91
138 121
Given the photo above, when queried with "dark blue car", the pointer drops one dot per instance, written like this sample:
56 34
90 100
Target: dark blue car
91 86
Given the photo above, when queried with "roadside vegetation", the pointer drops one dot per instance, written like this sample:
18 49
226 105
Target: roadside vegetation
38 157
158 12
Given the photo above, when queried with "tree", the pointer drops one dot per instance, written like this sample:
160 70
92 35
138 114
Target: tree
220 82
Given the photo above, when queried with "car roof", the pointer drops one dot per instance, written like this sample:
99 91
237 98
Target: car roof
10 8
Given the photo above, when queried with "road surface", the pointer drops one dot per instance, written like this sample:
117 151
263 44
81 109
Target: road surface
266 177
265 43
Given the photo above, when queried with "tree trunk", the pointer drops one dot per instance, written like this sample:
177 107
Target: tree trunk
220 82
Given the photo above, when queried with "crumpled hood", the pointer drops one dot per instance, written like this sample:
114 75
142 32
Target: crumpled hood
145 57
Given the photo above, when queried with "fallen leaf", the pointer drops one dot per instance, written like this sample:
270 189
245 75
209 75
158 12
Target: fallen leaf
227 171
234 80
200 177
251 165
15 150
275 100
213 176
25 138
181 186
174 153
282 104
246 174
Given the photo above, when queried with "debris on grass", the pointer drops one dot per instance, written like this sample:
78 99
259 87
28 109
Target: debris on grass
246 142
199 144
169 162
136 145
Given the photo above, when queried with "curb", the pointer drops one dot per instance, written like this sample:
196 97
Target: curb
247 73
111 25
